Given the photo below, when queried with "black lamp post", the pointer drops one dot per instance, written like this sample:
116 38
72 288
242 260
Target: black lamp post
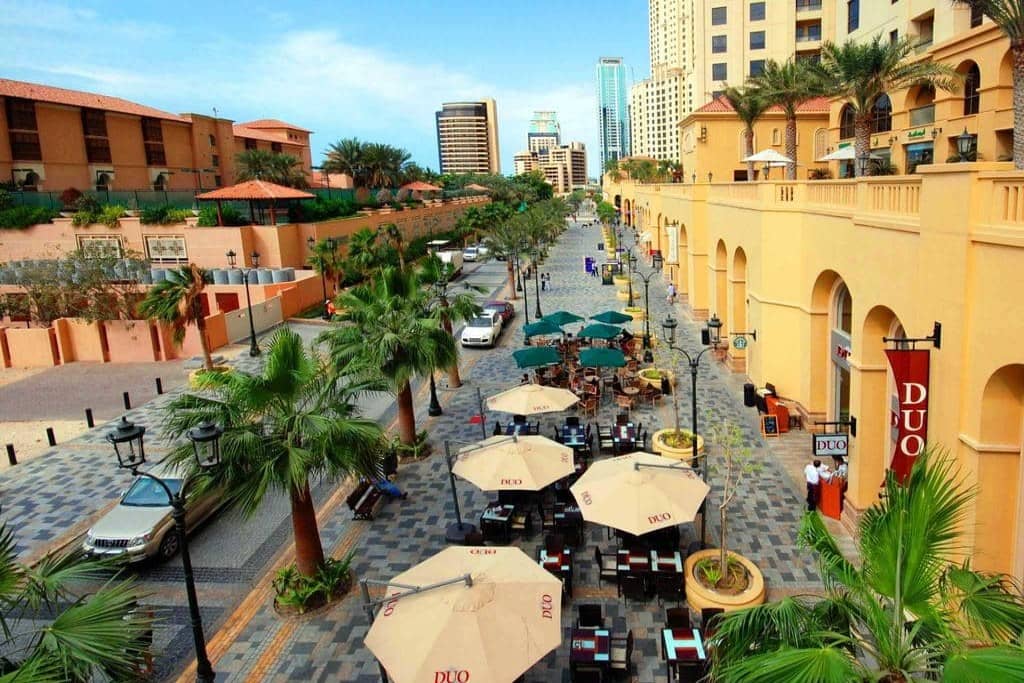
536 282
710 337
254 348
648 354
631 262
964 143
127 442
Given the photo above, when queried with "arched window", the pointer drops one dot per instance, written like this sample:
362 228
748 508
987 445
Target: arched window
881 115
844 310
776 137
846 123
972 98
31 182
820 143
160 183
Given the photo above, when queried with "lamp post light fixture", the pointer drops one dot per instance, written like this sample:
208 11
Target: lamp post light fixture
709 177
631 263
536 282
767 169
435 406
127 440
254 348
693 178
964 143
710 337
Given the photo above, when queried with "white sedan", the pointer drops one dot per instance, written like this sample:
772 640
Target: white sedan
482 331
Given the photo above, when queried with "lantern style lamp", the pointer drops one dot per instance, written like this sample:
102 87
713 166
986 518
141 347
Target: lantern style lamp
668 328
206 444
713 331
127 441
964 143
231 256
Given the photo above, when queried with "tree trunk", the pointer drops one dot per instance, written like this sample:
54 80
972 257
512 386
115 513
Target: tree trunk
1018 105
454 379
309 551
748 136
862 141
406 416
791 147
723 553
511 278
201 329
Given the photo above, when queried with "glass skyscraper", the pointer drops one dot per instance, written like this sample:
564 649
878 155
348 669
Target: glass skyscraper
612 112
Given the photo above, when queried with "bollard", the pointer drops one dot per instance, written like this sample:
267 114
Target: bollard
159 386
88 418
127 401
50 438
10 454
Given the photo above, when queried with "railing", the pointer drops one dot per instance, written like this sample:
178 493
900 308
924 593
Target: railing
922 116
1008 201
744 192
785 193
901 197
808 5
832 193
809 36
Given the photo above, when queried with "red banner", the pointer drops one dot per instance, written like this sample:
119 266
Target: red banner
910 370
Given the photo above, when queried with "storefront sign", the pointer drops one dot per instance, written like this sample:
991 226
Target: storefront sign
919 133
910 372
841 350
830 444
739 343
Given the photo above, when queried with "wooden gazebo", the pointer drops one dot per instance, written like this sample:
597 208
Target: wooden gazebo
253 191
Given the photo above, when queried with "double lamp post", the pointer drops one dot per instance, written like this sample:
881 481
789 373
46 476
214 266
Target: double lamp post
254 348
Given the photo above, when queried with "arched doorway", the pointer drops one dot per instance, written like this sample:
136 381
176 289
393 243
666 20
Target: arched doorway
627 217
738 307
721 283
682 267
822 357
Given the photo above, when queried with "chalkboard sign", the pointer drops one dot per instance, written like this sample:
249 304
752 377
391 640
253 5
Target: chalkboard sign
769 425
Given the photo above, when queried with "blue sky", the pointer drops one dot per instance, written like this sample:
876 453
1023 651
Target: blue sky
377 71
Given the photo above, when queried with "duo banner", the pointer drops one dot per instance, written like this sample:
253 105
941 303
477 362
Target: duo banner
910 371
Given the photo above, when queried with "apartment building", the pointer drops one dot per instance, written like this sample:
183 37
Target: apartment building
524 162
564 166
467 137
54 138
612 109
544 133
655 109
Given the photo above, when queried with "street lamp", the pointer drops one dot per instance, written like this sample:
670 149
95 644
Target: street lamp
710 337
648 354
631 262
254 349
964 142
332 244
536 281
128 447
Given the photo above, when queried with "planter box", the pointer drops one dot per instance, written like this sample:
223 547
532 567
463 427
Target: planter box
666 451
656 383
698 597
638 313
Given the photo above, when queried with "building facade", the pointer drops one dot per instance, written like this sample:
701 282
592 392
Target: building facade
54 139
655 110
544 132
467 137
612 110
564 166
525 162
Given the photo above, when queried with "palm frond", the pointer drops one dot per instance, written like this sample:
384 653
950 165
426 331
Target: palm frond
984 665
991 608
825 664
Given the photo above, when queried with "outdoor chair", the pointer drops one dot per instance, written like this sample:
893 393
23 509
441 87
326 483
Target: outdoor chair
677 617
558 434
670 587
604 439
588 405
622 418
590 372
633 588
572 421
474 538
589 675
522 522
623 401
519 419
607 567
709 618
590 616
622 654
554 543
689 672
632 365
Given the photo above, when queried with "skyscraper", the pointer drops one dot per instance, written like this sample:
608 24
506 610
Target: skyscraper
544 132
467 137
612 113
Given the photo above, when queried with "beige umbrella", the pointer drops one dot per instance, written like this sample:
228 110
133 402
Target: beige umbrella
530 399
639 493
514 463
492 626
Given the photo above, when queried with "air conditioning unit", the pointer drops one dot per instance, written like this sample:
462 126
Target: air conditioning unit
29 176
104 178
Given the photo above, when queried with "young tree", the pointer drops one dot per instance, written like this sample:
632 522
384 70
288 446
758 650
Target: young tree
451 308
748 105
787 85
506 240
178 300
393 236
611 167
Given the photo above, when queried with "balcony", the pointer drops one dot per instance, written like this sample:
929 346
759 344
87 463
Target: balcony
922 116
808 5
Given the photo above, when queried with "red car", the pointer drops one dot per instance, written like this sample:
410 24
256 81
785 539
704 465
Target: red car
505 309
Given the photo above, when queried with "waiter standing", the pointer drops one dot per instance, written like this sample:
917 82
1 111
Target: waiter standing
813 478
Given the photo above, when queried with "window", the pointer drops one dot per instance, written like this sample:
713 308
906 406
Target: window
94 128
21 114
756 67
719 72
756 11
213 141
249 143
22 134
97 150
846 123
275 146
976 15
820 143
894 36
216 180
166 249
757 40
153 141
25 146
881 115
718 44
214 160
852 15
100 246
972 98
776 137
719 15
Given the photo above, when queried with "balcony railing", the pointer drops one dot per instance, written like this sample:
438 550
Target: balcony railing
808 5
809 36
922 116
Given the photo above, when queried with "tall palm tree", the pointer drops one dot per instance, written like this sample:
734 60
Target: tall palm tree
326 260
505 240
393 236
861 72
1009 16
178 301
611 167
53 631
346 156
364 251
787 85
389 337
748 105
907 611
274 167
461 307
294 421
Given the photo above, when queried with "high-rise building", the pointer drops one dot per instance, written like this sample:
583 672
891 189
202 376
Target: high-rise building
612 111
544 132
525 161
564 166
467 137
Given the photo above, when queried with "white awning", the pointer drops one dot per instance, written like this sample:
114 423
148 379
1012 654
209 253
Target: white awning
645 236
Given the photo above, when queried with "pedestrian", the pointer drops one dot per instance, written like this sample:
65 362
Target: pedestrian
547 276
671 298
593 271
813 478
543 282
331 310
389 489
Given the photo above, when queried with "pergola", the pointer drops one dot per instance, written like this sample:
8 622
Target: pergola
254 191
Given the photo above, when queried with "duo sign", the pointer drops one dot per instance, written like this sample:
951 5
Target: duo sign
831 444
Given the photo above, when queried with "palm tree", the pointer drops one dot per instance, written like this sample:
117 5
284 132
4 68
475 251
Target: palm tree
274 167
611 167
294 421
906 612
461 307
364 251
346 156
1009 16
390 338
52 631
505 240
748 105
326 260
606 212
178 301
393 236
787 85
861 72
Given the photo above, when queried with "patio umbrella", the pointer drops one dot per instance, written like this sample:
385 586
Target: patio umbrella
530 399
520 463
602 358
492 626
600 331
612 317
536 356
562 318
659 493
848 153
768 155
541 327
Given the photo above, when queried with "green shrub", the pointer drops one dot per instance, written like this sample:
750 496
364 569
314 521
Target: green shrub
86 202
6 199
300 593
21 217
163 215
321 210
231 216
107 214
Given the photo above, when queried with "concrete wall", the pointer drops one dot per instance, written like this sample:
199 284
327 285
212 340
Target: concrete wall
265 315
131 341
78 340
31 348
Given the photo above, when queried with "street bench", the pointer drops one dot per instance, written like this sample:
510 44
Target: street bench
363 500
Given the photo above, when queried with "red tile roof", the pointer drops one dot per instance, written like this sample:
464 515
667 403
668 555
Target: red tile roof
720 104
255 189
77 98
255 134
420 186
272 123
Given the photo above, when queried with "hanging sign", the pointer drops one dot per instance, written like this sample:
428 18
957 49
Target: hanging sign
841 349
739 343
910 371
831 444
919 133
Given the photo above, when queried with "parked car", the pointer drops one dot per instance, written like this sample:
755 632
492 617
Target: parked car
470 254
140 525
453 259
481 251
503 308
482 330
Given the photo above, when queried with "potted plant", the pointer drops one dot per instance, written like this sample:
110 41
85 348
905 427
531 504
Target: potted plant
636 312
675 442
718 577
652 376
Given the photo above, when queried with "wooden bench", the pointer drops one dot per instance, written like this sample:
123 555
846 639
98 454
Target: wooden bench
363 500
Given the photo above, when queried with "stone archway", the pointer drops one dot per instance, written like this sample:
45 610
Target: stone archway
682 267
720 282
738 308
819 375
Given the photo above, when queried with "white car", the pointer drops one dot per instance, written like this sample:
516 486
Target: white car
482 331
470 254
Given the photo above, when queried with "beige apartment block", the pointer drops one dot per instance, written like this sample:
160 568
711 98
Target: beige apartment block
524 162
467 137
655 109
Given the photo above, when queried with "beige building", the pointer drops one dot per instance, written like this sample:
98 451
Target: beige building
525 162
467 137
655 109
564 167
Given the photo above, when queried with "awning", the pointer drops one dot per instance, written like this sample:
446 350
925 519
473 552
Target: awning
645 236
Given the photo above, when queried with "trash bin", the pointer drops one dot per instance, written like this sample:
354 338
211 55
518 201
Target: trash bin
588 264
666 386
600 246
749 395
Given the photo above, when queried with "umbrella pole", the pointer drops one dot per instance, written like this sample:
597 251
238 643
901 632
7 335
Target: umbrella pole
456 533
370 614
480 405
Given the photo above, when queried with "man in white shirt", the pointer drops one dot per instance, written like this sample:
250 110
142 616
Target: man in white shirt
813 484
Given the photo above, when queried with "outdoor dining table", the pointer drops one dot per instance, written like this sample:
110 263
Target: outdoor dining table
667 562
633 561
682 646
631 391
574 436
560 565
499 518
590 647
624 435
521 428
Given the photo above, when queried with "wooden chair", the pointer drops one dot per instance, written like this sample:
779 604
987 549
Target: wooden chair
547 519
590 372
604 439
607 568
677 617
670 587
522 522
622 418
588 405
633 588
572 421
622 654
587 675
590 616
554 543
709 618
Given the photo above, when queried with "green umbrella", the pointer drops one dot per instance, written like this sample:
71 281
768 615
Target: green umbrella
562 318
600 331
542 326
612 317
536 356
602 358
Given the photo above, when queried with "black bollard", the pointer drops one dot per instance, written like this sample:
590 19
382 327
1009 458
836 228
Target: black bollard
10 454
127 401
159 386
88 418
50 437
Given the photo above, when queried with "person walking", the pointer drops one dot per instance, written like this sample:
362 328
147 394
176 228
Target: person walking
813 477
543 282
671 297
